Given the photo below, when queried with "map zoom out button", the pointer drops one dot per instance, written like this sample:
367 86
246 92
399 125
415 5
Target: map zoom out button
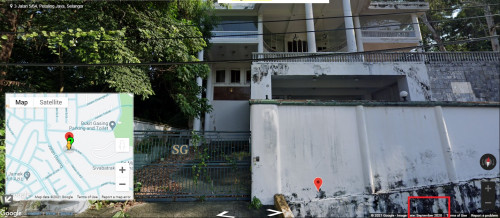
122 184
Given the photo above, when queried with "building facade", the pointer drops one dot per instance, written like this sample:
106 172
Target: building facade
344 50
314 83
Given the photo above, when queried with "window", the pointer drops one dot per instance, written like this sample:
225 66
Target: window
220 76
321 48
235 76
249 76
297 46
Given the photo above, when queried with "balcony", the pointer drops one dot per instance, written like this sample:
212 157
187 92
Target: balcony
427 57
236 29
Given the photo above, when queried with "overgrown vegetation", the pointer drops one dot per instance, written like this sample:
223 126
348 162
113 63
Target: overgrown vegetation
2 164
463 28
201 156
122 207
255 203
116 33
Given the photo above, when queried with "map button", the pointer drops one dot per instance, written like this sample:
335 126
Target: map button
7 199
122 184
122 170
122 145
122 177
21 102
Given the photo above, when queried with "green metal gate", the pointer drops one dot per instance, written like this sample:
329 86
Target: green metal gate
188 166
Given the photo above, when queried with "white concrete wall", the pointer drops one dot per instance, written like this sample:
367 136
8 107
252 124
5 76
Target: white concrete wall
415 72
229 116
367 149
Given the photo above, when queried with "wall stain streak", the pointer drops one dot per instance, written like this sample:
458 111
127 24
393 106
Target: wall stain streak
263 70
465 197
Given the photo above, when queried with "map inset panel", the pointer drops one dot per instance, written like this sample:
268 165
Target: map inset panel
69 146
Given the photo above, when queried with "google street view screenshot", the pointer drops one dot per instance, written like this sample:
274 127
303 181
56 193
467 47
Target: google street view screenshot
250 108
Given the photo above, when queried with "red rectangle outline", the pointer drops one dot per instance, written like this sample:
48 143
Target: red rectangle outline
447 197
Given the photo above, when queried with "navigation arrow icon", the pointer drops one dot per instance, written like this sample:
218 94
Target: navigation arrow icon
275 212
222 215
7 199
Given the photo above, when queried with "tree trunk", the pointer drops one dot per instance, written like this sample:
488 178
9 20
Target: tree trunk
491 28
11 19
434 33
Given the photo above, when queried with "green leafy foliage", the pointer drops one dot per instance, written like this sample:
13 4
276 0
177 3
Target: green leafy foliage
460 29
255 203
121 214
200 169
137 186
105 32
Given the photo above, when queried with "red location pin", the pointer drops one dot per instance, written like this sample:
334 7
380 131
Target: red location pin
69 134
318 182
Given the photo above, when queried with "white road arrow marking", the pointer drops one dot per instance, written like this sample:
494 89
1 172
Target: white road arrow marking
275 212
222 215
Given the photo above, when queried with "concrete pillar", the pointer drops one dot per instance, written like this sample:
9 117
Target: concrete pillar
260 37
416 28
349 25
266 163
311 35
359 36
199 81
210 97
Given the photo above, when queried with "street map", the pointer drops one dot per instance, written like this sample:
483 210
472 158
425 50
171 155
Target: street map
69 146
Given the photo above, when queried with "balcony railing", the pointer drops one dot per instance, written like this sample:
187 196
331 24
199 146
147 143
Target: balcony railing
234 34
388 33
399 4
377 57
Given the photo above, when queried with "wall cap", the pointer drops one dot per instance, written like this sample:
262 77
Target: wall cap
375 103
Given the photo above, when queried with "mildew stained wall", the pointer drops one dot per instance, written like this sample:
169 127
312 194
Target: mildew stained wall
417 81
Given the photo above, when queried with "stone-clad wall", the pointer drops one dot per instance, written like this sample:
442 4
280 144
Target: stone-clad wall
464 81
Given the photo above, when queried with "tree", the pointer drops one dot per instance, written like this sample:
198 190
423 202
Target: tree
114 32
463 28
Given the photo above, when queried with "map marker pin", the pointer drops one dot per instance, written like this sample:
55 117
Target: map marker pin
318 182
27 175
69 139
112 124
70 142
